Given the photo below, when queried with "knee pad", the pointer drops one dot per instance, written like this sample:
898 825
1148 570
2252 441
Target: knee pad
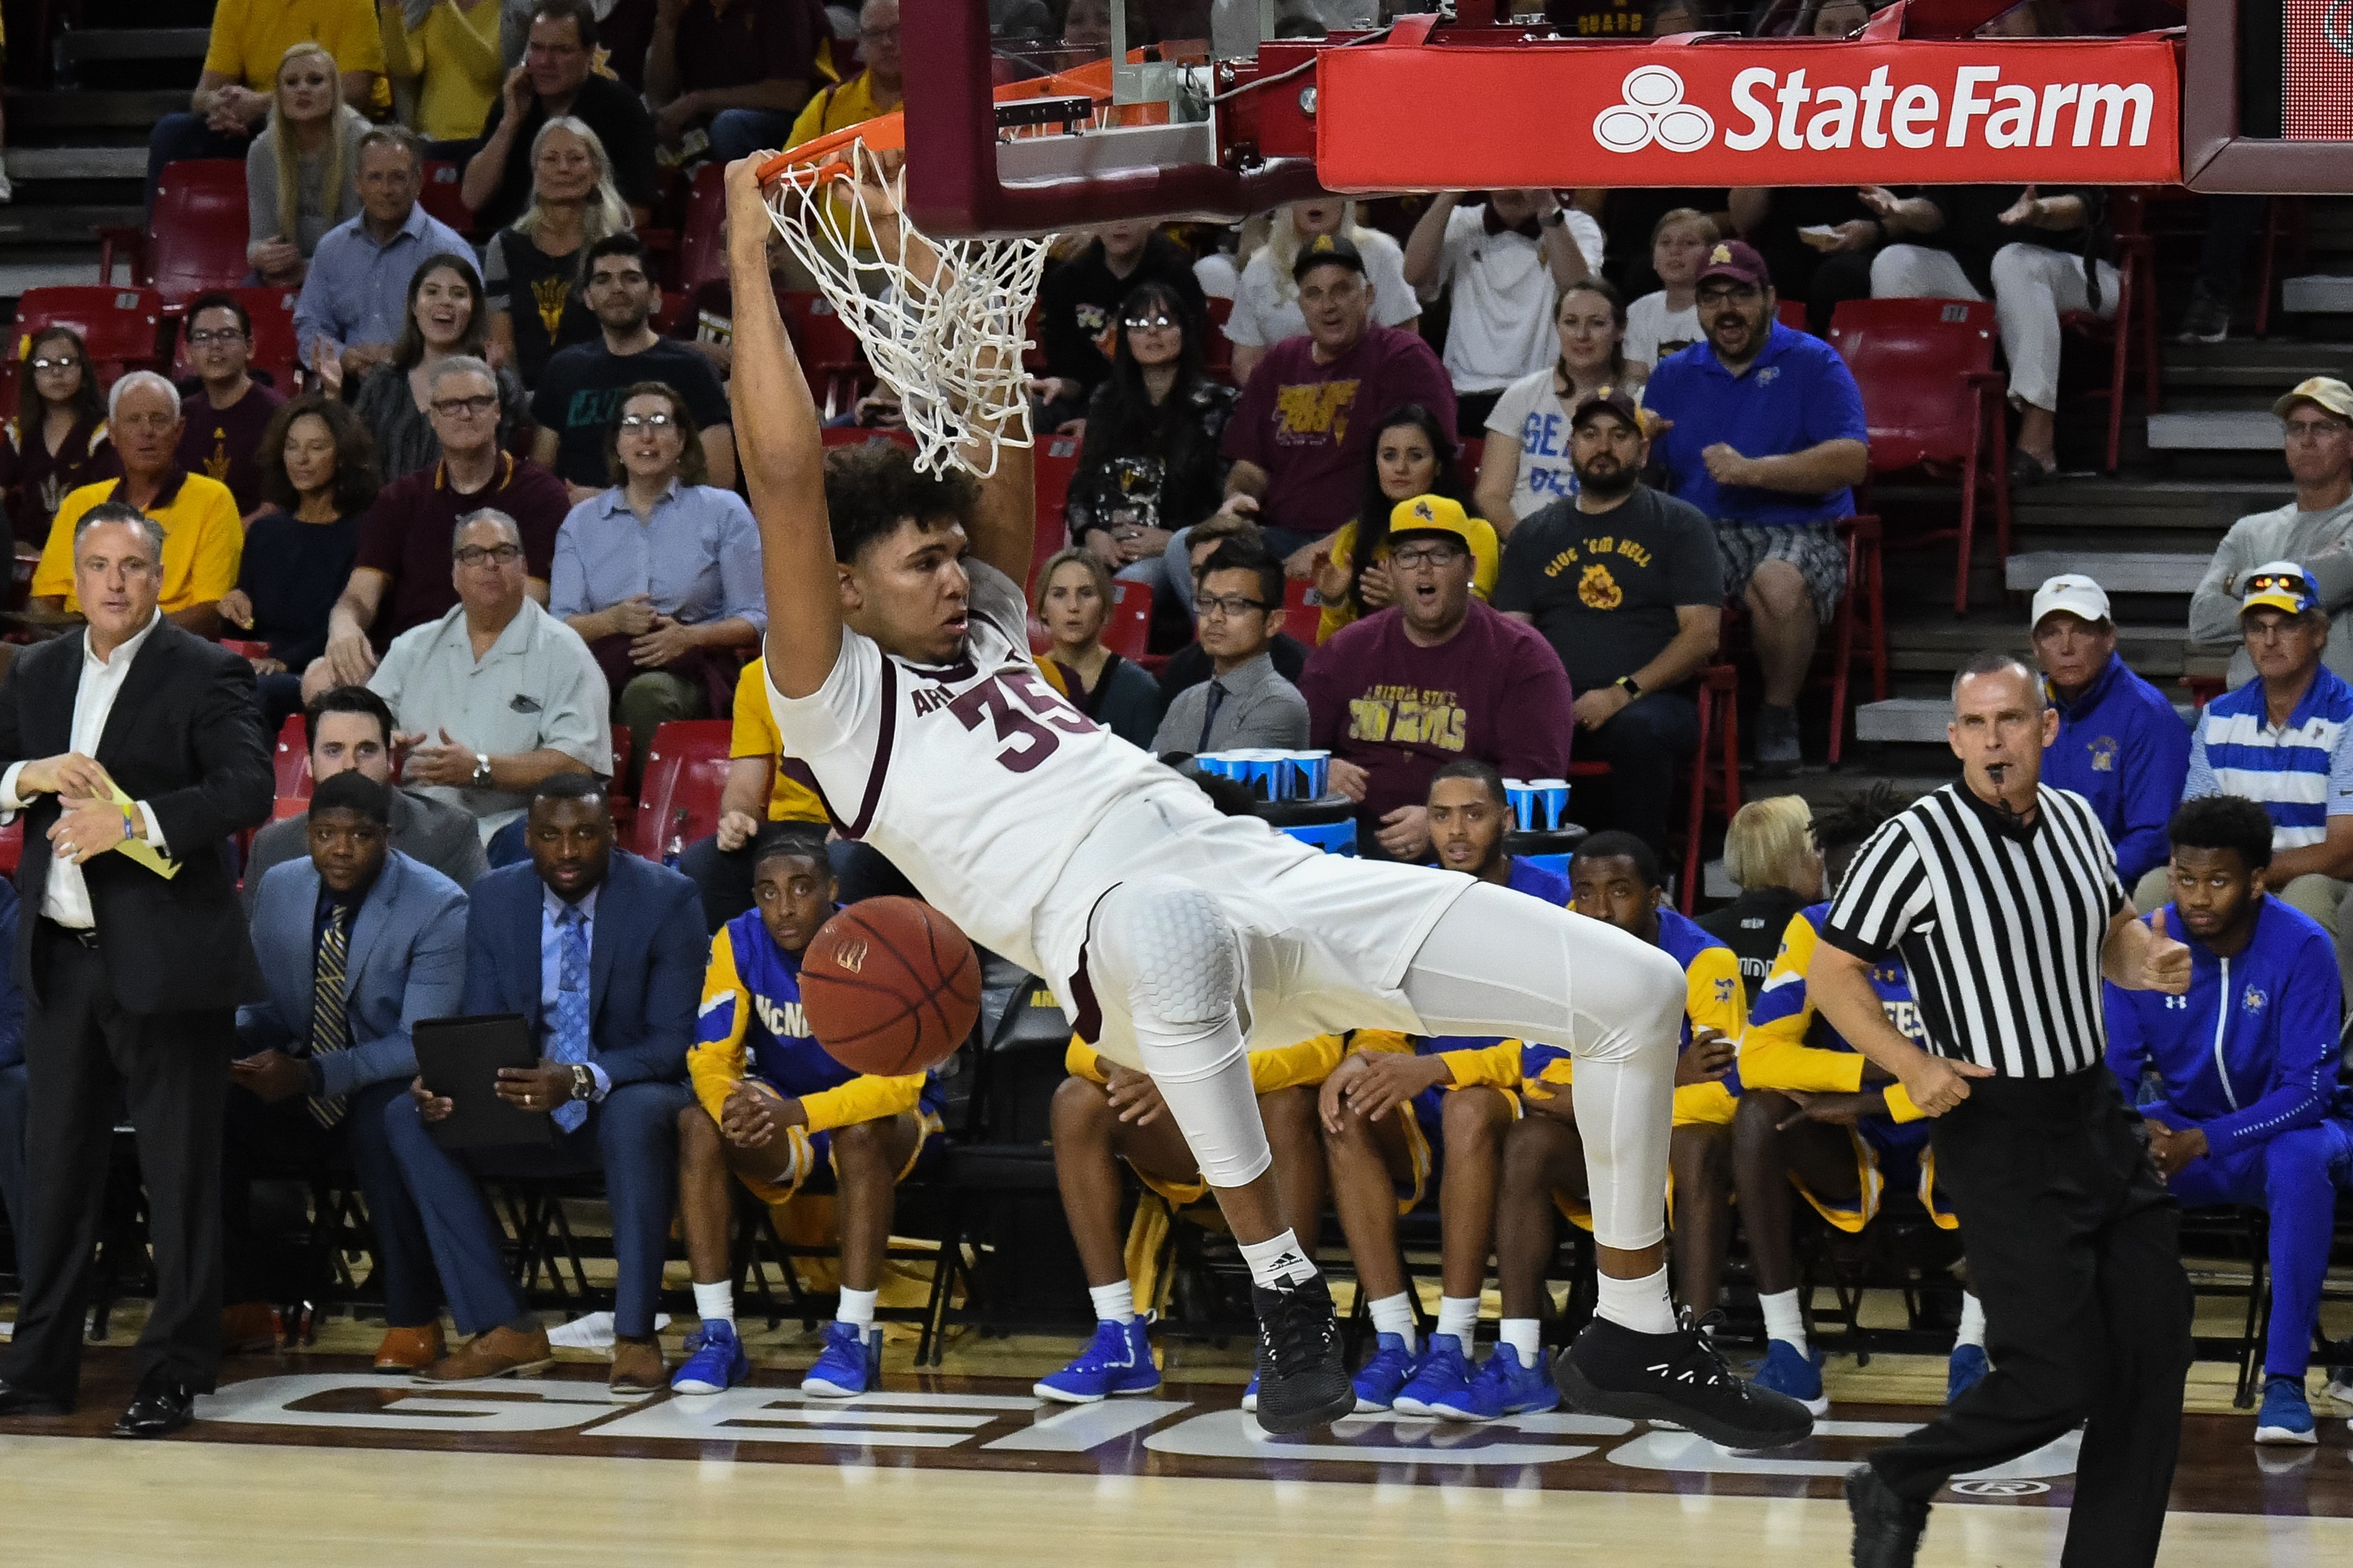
1166 949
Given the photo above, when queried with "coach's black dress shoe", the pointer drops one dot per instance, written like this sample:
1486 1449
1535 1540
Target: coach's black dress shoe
162 1405
1887 1525
17 1401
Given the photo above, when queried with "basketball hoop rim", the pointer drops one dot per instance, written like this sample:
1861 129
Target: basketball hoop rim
888 133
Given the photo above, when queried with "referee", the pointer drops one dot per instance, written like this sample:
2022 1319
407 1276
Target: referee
2002 897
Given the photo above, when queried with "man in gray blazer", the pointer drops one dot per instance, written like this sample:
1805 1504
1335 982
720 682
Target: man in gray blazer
350 728
356 944
1245 701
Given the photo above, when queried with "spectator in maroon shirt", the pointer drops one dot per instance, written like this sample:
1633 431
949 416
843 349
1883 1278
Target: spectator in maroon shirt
401 578
1298 437
1435 678
221 422
56 442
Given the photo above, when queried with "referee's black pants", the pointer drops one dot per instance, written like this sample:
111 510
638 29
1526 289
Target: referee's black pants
2073 1246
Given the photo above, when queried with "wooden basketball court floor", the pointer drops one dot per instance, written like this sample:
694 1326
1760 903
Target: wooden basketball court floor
308 1459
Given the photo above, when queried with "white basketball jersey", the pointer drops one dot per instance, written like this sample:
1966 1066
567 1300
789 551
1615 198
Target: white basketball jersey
978 780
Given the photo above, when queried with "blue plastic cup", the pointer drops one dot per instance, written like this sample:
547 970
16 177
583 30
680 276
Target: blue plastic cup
1522 798
1314 773
1552 802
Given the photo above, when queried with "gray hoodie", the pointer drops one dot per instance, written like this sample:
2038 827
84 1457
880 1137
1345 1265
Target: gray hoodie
2319 542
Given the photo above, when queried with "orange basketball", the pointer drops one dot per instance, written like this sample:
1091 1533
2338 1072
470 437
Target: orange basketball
891 986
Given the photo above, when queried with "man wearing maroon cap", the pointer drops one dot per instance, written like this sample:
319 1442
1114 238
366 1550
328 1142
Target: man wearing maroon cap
1765 434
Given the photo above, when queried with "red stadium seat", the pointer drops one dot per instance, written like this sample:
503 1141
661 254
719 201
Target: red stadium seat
285 807
1793 314
2133 326
292 760
440 197
1056 464
1303 617
700 256
1473 452
1932 401
828 349
686 770
195 240
1130 626
245 648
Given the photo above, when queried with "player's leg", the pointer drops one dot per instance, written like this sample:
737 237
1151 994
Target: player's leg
2301 1202
1542 1156
1295 1140
715 1359
1496 964
1475 1122
1088 1141
1768 1149
1371 1163
1166 949
867 1157
1700 1154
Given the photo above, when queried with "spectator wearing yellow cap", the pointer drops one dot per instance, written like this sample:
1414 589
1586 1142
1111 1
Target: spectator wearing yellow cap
1627 584
1410 455
1435 678
2315 530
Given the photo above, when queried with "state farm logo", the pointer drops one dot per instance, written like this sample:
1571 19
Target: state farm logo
1653 110
1976 109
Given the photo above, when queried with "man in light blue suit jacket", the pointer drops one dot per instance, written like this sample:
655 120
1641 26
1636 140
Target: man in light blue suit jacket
357 942
603 955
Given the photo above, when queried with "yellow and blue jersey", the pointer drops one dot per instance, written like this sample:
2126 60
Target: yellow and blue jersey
751 1027
1713 998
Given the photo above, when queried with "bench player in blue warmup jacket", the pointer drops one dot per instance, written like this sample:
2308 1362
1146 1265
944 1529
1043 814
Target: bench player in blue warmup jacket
2248 1108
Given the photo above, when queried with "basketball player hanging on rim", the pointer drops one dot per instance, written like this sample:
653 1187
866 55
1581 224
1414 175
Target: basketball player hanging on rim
899 668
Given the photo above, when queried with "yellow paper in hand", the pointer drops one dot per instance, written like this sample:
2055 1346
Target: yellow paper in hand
139 850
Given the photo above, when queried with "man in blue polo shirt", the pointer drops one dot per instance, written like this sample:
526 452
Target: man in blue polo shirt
2285 741
1765 434
2249 1109
2120 744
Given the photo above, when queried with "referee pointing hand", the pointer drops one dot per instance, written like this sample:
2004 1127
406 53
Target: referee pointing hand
2002 897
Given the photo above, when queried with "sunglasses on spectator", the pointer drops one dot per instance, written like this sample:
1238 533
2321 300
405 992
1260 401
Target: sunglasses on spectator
453 406
1226 604
2275 583
201 336
647 421
55 362
1149 323
1414 556
502 554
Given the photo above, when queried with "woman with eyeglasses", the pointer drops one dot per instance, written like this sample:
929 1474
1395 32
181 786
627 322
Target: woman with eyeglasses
302 173
1149 465
1073 599
318 481
530 269
1411 455
661 573
57 441
446 316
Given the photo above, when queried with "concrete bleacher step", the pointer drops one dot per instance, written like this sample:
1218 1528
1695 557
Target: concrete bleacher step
31 114
2119 572
2319 294
2269 365
1920 721
77 45
77 163
23 225
2138 505
2214 430
1939 645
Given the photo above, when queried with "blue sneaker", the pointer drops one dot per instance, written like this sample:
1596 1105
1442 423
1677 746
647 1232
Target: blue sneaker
1788 1371
1250 1396
2286 1415
1504 1386
1444 1374
851 1362
1389 1368
715 1360
1118 1359
1968 1364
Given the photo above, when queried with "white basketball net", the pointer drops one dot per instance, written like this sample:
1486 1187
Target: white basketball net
950 347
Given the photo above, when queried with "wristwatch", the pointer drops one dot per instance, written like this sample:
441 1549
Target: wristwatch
584 1082
482 770
1625 683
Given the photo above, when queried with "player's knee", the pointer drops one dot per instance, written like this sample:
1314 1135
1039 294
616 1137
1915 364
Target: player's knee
697 1132
1079 1109
2295 1166
858 1145
1701 1152
1756 1122
1168 949
1289 1114
1473 1116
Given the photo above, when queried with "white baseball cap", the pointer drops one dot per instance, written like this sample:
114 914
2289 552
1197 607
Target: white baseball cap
2074 593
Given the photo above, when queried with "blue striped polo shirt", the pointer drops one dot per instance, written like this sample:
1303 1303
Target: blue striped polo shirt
2301 772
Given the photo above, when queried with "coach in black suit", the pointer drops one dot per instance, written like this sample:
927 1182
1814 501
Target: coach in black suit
133 979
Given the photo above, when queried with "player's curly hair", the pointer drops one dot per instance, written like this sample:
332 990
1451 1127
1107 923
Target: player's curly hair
873 488
1843 823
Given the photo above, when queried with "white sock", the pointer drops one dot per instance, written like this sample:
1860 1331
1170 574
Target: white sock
1459 1316
1641 1304
1526 1336
1783 1318
1972 1329
1277 1262
857 1308
715 1303
1393 1315
1113 1303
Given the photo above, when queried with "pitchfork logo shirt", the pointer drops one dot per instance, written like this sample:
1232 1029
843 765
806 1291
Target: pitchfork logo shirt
1308 424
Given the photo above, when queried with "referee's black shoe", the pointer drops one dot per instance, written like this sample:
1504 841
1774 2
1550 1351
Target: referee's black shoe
1680 1378
1302 1381
17 1400
1887 1525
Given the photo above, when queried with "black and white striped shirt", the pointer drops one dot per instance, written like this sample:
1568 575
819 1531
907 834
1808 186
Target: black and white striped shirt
1999 926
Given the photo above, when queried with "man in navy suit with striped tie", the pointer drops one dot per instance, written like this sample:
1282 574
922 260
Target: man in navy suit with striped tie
357 942
603 955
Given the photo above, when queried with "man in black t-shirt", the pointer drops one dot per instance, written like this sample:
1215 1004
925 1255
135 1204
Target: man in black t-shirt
1627 585
580 384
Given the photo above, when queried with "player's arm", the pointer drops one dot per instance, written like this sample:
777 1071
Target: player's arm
866 1098
714 1064
782 455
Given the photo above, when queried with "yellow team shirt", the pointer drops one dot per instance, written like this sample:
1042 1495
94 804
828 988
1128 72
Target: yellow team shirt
250 36
1773 1049
455 56
1486 560
1713 998
754 735
203 541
